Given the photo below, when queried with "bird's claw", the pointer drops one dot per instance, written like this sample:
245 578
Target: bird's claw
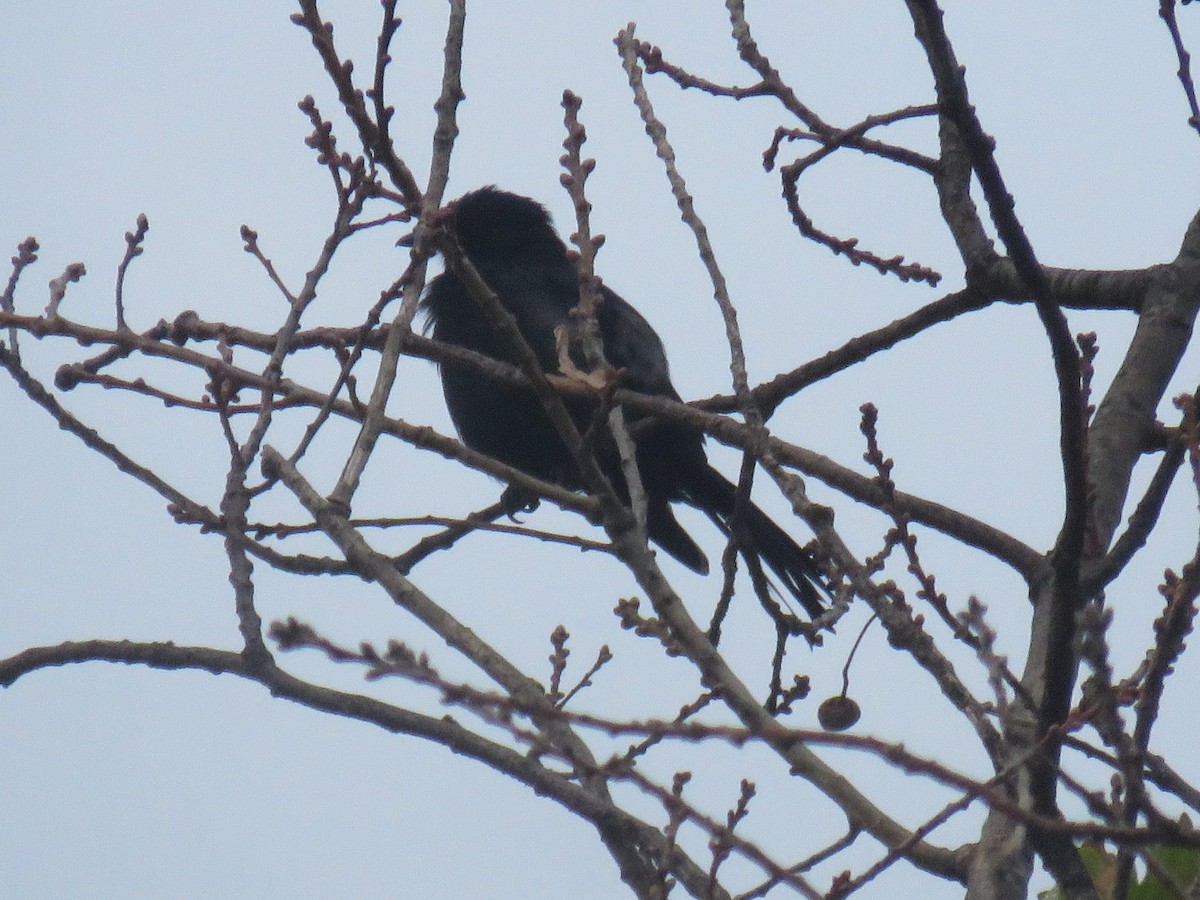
518 500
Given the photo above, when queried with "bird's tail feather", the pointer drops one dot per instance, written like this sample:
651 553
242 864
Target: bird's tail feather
711 492
664 529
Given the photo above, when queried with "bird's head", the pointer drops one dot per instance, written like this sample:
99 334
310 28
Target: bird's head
491 223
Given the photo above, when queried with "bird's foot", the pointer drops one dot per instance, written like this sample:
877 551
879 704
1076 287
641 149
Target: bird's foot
518 500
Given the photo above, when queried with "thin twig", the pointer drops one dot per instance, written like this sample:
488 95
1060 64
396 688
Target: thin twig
133 249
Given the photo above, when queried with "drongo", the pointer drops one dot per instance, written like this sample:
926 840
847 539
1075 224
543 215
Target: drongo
511 242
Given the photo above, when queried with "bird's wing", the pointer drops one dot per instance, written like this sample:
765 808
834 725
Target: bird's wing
630 343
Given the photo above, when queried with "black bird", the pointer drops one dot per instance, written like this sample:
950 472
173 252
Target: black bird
511 241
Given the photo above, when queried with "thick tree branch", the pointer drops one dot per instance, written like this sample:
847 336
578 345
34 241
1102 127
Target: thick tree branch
521 766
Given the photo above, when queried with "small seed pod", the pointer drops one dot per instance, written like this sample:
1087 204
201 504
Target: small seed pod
838 713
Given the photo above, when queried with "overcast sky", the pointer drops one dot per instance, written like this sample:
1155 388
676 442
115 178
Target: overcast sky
125 783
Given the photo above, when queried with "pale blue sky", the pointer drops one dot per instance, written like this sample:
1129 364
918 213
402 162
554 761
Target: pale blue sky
124 783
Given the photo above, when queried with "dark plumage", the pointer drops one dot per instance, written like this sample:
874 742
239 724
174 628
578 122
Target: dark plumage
511 242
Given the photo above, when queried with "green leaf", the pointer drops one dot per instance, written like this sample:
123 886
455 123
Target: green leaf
1181 865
